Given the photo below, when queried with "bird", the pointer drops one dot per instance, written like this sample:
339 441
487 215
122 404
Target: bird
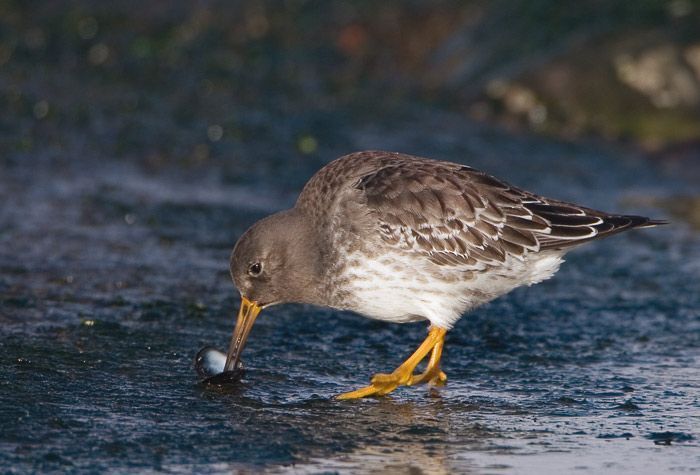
401 238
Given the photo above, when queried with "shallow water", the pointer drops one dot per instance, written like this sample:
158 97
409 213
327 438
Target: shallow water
112 277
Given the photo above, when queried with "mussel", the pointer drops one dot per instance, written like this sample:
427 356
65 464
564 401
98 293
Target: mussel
209 364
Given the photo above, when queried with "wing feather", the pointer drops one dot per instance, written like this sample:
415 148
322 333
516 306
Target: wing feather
458 216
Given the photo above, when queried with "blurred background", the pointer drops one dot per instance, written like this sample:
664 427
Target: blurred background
243 90
139 139
199 83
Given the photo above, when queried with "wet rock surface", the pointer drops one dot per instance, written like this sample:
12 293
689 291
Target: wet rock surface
112 277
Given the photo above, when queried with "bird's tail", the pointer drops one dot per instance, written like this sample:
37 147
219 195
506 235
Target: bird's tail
616 223
642 222
567 233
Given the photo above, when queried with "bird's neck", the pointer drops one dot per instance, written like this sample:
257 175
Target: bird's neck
305 254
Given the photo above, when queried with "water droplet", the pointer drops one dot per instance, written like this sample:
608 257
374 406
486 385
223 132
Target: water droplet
307 144
215 132
87 28
98 54
41 109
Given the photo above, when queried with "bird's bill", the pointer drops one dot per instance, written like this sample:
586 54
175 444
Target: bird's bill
246 317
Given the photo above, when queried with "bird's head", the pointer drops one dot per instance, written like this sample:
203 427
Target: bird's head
275 261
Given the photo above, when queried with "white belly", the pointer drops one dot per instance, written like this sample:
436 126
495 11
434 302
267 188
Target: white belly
399 288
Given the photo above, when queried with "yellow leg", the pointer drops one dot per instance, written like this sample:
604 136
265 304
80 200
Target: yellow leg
403 375
432 374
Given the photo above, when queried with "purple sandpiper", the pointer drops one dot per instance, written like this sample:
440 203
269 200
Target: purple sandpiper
401 238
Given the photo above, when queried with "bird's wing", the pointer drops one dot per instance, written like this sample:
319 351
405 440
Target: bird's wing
458 216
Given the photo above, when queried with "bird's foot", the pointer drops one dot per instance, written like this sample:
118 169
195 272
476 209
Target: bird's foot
439 380
432 376
383 383
403 375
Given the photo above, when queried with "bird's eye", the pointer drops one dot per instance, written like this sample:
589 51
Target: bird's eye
255 269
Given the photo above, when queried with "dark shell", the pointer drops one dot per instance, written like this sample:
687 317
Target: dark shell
209 364
226 378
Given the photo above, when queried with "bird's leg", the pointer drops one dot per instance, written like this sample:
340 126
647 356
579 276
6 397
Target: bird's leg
432 374
403 375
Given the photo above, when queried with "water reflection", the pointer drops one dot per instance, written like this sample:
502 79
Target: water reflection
390 436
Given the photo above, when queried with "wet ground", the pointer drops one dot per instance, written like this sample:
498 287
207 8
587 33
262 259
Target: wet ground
114 274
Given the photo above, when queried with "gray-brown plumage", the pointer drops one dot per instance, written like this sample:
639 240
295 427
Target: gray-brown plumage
402 238
452 212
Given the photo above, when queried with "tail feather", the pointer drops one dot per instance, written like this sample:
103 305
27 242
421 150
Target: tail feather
561 236
650 223
627 221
